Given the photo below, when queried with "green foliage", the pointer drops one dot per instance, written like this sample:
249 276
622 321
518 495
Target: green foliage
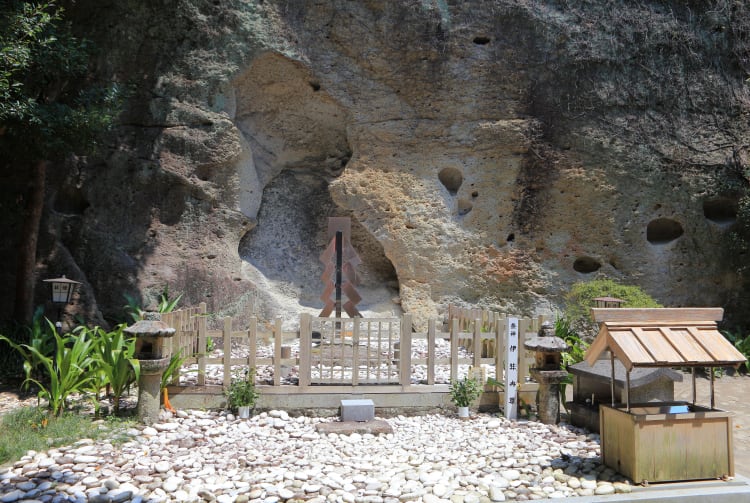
68 371
241 391
465 391
133 308
576 350
39 336
115 360
175 362
31 428
580 300
576 346
742 343
165 305
83 361
46 110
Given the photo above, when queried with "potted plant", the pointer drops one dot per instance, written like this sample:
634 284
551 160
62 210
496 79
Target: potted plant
241 394
463 393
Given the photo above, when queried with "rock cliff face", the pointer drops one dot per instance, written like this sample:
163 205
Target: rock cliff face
488 152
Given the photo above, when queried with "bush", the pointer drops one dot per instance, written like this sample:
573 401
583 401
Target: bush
465 391
242 392
580 300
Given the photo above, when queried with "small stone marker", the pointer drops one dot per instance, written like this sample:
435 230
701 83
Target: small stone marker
357 410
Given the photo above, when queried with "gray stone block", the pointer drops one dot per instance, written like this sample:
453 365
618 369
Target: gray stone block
357 410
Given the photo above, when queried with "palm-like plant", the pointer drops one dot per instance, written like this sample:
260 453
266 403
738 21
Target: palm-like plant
68 371
115 360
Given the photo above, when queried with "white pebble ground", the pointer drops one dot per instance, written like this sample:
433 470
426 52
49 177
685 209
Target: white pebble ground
272 457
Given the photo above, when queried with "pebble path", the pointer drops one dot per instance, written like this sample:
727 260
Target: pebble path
272 457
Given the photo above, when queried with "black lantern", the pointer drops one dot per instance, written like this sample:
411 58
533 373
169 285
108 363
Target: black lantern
62 293
62 289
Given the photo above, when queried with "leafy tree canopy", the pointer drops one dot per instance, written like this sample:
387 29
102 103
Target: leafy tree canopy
48 106
580 300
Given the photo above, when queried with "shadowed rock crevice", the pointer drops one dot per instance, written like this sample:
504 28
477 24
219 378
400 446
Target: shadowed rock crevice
663 231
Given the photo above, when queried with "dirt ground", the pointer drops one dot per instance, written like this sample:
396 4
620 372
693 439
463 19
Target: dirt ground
732 393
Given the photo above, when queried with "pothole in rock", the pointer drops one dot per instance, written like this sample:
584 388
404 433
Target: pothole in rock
721 210
586 265
663 231
452 179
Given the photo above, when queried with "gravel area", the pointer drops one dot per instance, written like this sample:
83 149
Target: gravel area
272 457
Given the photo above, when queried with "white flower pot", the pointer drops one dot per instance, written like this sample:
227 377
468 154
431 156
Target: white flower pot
463 412
243 411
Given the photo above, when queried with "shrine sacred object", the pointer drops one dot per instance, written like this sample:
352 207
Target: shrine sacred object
340 275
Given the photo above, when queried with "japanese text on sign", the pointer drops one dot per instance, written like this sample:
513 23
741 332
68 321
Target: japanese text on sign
511 370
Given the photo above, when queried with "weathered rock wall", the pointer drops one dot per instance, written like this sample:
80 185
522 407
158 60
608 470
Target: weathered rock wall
488 152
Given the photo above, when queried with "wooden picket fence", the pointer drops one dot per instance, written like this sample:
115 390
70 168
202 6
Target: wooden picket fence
350 351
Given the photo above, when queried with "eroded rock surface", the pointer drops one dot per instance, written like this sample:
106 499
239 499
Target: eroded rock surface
489 153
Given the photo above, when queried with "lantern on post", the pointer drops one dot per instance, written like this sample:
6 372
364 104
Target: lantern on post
62 294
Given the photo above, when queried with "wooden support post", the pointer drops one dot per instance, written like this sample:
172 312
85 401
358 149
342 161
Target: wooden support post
405 348
523 362
612 382
477 343
305 349
277 352
454 349
252 341
202 342
227 336
355 350
692 371
431 351
500 336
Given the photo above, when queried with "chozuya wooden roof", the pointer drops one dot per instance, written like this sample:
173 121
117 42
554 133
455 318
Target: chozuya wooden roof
663 337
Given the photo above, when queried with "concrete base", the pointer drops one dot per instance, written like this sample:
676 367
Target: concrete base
326 400
736 490
357 410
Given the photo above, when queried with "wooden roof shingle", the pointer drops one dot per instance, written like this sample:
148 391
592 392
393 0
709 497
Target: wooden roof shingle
663 337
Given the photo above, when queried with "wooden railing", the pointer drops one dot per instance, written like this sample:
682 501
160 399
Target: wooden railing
348 351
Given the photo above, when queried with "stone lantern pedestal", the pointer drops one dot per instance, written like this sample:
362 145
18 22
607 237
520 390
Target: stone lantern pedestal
548 350
152 353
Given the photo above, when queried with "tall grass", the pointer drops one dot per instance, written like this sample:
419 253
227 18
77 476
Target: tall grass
32 428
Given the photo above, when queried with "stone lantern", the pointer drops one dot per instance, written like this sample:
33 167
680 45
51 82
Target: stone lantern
153 354
548 351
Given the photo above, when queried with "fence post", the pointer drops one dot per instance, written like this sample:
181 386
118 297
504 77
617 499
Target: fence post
405 348
252 340
431 351
202 343
305 349
355 350
500 337
226 334
454 349
477 343
277 352
523 363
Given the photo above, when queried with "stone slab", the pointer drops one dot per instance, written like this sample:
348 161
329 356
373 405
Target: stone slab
357 410
374 427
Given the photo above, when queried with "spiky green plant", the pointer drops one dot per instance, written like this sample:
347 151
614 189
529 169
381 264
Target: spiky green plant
68 371
115 359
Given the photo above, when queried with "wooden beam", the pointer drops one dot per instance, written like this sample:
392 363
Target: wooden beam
662 314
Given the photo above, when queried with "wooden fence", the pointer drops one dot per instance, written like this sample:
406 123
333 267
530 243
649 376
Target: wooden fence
349 351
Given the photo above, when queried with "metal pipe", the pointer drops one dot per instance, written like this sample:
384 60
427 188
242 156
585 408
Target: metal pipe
711 369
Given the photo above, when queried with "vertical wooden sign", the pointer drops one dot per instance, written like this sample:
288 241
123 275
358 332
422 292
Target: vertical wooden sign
511 370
